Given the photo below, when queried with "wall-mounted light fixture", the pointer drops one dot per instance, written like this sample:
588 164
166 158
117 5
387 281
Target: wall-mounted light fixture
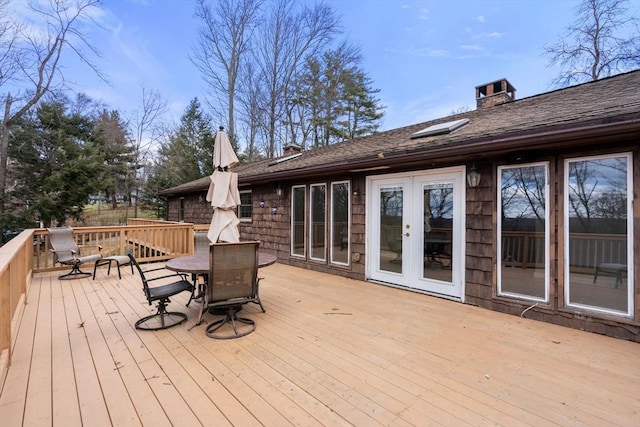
261 203
356 192
274 210
279 191
473 177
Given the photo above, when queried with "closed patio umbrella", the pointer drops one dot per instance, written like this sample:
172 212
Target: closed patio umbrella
223 192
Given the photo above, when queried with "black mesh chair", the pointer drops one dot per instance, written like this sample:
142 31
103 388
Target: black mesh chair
169 284
233 282
66 251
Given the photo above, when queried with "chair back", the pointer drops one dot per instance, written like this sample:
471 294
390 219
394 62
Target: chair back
63 244
201 243
233 272
145 284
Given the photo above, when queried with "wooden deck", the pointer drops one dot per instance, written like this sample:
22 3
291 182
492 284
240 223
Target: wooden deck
328 351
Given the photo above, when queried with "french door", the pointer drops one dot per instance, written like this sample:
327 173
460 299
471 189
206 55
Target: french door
415 235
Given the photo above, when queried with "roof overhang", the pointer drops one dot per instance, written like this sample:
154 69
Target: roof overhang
556 137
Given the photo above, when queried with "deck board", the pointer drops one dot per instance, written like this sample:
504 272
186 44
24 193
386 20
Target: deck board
328 351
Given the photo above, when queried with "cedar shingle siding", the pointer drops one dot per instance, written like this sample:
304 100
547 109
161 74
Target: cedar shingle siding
590 119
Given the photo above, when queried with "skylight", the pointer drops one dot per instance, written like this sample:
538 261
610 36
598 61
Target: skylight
440 128
284 159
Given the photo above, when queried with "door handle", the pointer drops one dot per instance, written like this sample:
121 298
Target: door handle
406 234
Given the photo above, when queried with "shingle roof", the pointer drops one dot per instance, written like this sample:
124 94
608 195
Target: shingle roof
542 119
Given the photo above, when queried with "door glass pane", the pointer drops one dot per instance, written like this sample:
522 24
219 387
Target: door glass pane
390 233
522 231
318 221
437 222
340 223
297 220
597 250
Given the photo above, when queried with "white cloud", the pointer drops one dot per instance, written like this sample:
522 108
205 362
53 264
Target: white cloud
480 18
473 47
490 35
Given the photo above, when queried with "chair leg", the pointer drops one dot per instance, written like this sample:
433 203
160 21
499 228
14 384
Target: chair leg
117 265
230 318
165 319
74 273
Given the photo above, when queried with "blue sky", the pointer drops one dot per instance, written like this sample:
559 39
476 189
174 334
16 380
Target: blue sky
426 57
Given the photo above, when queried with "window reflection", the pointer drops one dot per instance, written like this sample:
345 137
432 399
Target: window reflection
523 232
438 231
318 221
298 195
390 235
340 223
597 200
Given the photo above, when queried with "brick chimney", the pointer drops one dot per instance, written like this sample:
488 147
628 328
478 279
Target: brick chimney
291 149
495 93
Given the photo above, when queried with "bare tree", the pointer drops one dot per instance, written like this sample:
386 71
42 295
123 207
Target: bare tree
9 37
288 38
146 130
30 65
603 40
224 40
251 117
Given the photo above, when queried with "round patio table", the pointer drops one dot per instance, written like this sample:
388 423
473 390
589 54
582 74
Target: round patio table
199 264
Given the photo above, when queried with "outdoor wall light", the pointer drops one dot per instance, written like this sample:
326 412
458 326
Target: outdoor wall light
274 210
279 191
356 192
261 203
473 177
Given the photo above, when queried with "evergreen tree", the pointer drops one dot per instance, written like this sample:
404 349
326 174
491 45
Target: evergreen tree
56 164
117 152
336 98
186 156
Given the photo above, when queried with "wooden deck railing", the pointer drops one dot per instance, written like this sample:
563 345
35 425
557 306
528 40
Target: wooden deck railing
28 253
16 267
586 250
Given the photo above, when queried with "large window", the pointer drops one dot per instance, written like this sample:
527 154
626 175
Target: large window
318 229
245 209
597 233
320 222
523 232
298 220
340 231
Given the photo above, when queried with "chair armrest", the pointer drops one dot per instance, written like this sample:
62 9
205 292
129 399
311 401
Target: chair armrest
74 254
182 276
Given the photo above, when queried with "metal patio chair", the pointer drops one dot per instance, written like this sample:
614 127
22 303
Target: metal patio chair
171 284
66 251
233 282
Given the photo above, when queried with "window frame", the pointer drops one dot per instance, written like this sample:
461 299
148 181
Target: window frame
312 219
332 221
547 234
248 206
304 225
630 237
